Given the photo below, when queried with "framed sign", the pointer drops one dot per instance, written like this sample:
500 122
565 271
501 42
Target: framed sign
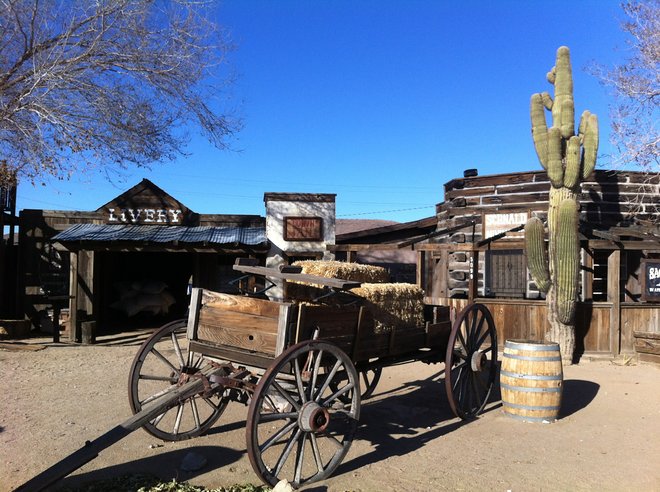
494 224
651 280
303 228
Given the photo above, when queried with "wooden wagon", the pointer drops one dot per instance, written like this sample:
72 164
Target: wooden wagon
301 366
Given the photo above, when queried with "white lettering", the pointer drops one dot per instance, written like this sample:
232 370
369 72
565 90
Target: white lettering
175 215
135 214
654 273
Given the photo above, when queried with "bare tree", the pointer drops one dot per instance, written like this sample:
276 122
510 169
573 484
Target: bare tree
107 83
636 87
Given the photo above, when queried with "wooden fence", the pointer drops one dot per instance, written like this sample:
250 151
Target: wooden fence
597 333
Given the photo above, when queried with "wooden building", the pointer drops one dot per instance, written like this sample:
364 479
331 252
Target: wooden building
133 260
476 251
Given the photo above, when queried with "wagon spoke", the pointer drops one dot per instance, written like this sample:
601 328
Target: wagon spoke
177 421
316 452
286 395
195 412
165 361
287 451
482 338
299 381
473 328
277 436
300 458
315 374
461 338
458 370
177 349
337 394
329 378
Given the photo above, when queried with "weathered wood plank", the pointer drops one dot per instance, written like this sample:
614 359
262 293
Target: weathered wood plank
240 330
647 343
298 277
240 304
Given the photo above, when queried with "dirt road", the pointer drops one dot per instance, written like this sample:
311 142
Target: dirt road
55 399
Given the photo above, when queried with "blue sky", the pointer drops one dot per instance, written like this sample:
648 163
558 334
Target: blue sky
380 102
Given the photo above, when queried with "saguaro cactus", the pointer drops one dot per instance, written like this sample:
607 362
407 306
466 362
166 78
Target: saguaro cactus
568 159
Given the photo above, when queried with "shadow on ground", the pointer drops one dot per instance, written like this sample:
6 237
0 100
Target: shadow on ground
164 465
578 394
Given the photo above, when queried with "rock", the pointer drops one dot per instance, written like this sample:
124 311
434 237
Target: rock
193 462
283 486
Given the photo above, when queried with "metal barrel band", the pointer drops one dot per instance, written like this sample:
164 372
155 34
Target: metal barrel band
556 377
539 347
539 359
530 419
531 407
530 390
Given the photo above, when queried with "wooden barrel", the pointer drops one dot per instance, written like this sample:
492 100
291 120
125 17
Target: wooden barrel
531 380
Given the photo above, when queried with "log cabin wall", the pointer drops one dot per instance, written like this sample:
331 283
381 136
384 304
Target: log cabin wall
606 323
607 199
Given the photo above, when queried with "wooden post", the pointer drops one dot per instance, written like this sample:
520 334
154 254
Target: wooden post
588 277
73 292
614 296
473 285
421 269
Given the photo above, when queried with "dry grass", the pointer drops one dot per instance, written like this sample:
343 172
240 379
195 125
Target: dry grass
354 272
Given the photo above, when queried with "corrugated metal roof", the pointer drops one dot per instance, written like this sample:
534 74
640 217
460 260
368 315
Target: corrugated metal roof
251 236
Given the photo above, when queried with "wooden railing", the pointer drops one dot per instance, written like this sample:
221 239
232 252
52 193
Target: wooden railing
596 333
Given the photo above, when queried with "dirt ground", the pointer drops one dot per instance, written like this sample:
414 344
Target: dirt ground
55 399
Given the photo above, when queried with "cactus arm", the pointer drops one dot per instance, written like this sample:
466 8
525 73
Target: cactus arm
572 173
590 146
584 122
537 260
567 260
563 108
547 101
555 169
539 129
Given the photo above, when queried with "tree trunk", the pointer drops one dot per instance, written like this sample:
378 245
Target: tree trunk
560 333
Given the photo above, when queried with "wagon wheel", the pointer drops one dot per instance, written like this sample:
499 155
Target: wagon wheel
304 414
471 362
156 369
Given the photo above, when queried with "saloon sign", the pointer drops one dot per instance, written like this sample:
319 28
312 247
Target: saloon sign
651 280
144 215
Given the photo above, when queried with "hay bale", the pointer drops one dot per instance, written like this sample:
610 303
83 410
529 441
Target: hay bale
354 272
393 306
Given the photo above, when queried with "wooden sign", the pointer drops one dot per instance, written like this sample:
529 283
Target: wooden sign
303 228
494 224
651 280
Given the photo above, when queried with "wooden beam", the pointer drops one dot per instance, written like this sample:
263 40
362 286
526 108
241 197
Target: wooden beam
614 296
473 284
448 230
483 242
